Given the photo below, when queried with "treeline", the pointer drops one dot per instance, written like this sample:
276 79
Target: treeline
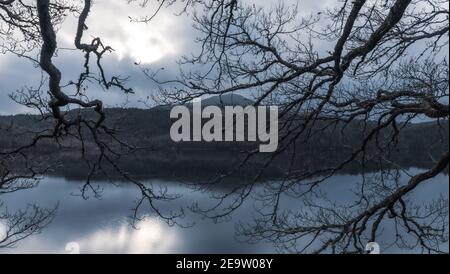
156 155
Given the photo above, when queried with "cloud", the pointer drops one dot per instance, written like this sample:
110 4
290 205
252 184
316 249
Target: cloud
156 44
160 43
15 73
140 42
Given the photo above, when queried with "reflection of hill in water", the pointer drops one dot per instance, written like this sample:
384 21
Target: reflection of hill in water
161 157
208 164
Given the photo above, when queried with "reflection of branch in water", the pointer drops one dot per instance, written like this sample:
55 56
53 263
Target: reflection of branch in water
21 224
17 173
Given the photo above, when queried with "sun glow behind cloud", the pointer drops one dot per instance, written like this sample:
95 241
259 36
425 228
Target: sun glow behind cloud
141 42
143 45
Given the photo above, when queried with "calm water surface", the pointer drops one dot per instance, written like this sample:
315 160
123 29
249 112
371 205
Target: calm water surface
102 225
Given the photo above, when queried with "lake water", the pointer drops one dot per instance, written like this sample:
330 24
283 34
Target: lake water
102 225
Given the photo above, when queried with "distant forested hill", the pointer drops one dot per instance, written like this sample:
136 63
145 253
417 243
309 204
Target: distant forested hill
157 155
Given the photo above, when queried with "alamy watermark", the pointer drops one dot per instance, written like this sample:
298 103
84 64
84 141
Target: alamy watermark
72 248
372 248
227 124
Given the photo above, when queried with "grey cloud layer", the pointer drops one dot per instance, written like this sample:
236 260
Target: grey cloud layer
157 44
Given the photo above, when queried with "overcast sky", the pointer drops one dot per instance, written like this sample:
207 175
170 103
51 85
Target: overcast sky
157 44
